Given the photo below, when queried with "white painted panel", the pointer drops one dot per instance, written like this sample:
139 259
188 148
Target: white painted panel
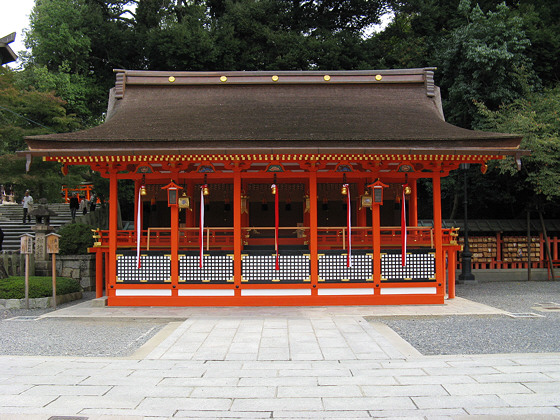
143 292
206 292
409 291
346 291
276 292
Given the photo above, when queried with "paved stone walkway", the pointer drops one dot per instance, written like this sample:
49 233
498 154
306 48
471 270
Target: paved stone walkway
285 363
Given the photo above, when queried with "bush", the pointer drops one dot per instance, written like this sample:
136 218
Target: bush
75 239
14 287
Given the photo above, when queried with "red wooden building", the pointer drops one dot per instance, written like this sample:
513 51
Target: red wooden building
275 188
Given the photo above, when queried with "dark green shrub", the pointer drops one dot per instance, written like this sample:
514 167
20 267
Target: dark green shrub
14 287
75 239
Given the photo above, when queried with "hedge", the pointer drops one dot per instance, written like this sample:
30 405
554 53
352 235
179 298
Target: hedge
14 287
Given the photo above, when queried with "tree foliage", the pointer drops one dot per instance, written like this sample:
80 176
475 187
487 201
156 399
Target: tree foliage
26 112
537 118
483 61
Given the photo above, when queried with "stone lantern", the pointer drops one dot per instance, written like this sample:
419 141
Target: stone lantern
42 228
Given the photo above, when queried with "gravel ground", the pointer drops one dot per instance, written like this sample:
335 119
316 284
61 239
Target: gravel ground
58 337
430 335
490 334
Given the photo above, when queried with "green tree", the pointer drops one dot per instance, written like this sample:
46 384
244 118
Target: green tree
75 45
537 118
483 61
25 112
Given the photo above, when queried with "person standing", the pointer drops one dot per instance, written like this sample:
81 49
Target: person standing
74 206
27 206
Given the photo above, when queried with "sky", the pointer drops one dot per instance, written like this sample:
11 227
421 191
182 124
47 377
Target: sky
15 18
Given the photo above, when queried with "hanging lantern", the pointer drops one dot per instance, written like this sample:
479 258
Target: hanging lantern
185 201
365 200
273 188
377 188
172 196
407 190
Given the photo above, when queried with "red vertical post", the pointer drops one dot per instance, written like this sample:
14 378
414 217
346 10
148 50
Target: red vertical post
376 239
438 240
113 226
313 230
237 231
451 267
174 249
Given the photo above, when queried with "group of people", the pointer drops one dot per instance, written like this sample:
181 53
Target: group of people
75 205
83 204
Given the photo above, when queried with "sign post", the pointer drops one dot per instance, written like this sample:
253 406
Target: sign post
26 248
52 248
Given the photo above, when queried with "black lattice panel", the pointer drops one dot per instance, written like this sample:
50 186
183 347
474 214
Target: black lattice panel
419 267
215 269
261 269
333 268
153 269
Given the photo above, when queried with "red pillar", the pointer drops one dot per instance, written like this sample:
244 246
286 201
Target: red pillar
440 263
113 230
237 231
451 268
174 249
376 238
313 230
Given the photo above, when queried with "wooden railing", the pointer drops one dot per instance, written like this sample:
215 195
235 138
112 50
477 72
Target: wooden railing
328 237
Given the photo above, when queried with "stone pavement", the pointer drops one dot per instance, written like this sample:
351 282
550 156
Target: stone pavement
284 363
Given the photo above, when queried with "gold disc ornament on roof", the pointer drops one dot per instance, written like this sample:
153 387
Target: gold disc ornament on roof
171 79
378 77
326 77
223 79
274 78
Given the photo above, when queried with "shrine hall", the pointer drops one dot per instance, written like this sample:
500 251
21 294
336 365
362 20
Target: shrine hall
275 188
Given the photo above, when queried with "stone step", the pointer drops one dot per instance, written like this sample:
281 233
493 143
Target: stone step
11 222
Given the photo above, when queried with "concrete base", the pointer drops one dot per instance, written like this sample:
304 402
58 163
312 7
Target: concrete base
99 302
